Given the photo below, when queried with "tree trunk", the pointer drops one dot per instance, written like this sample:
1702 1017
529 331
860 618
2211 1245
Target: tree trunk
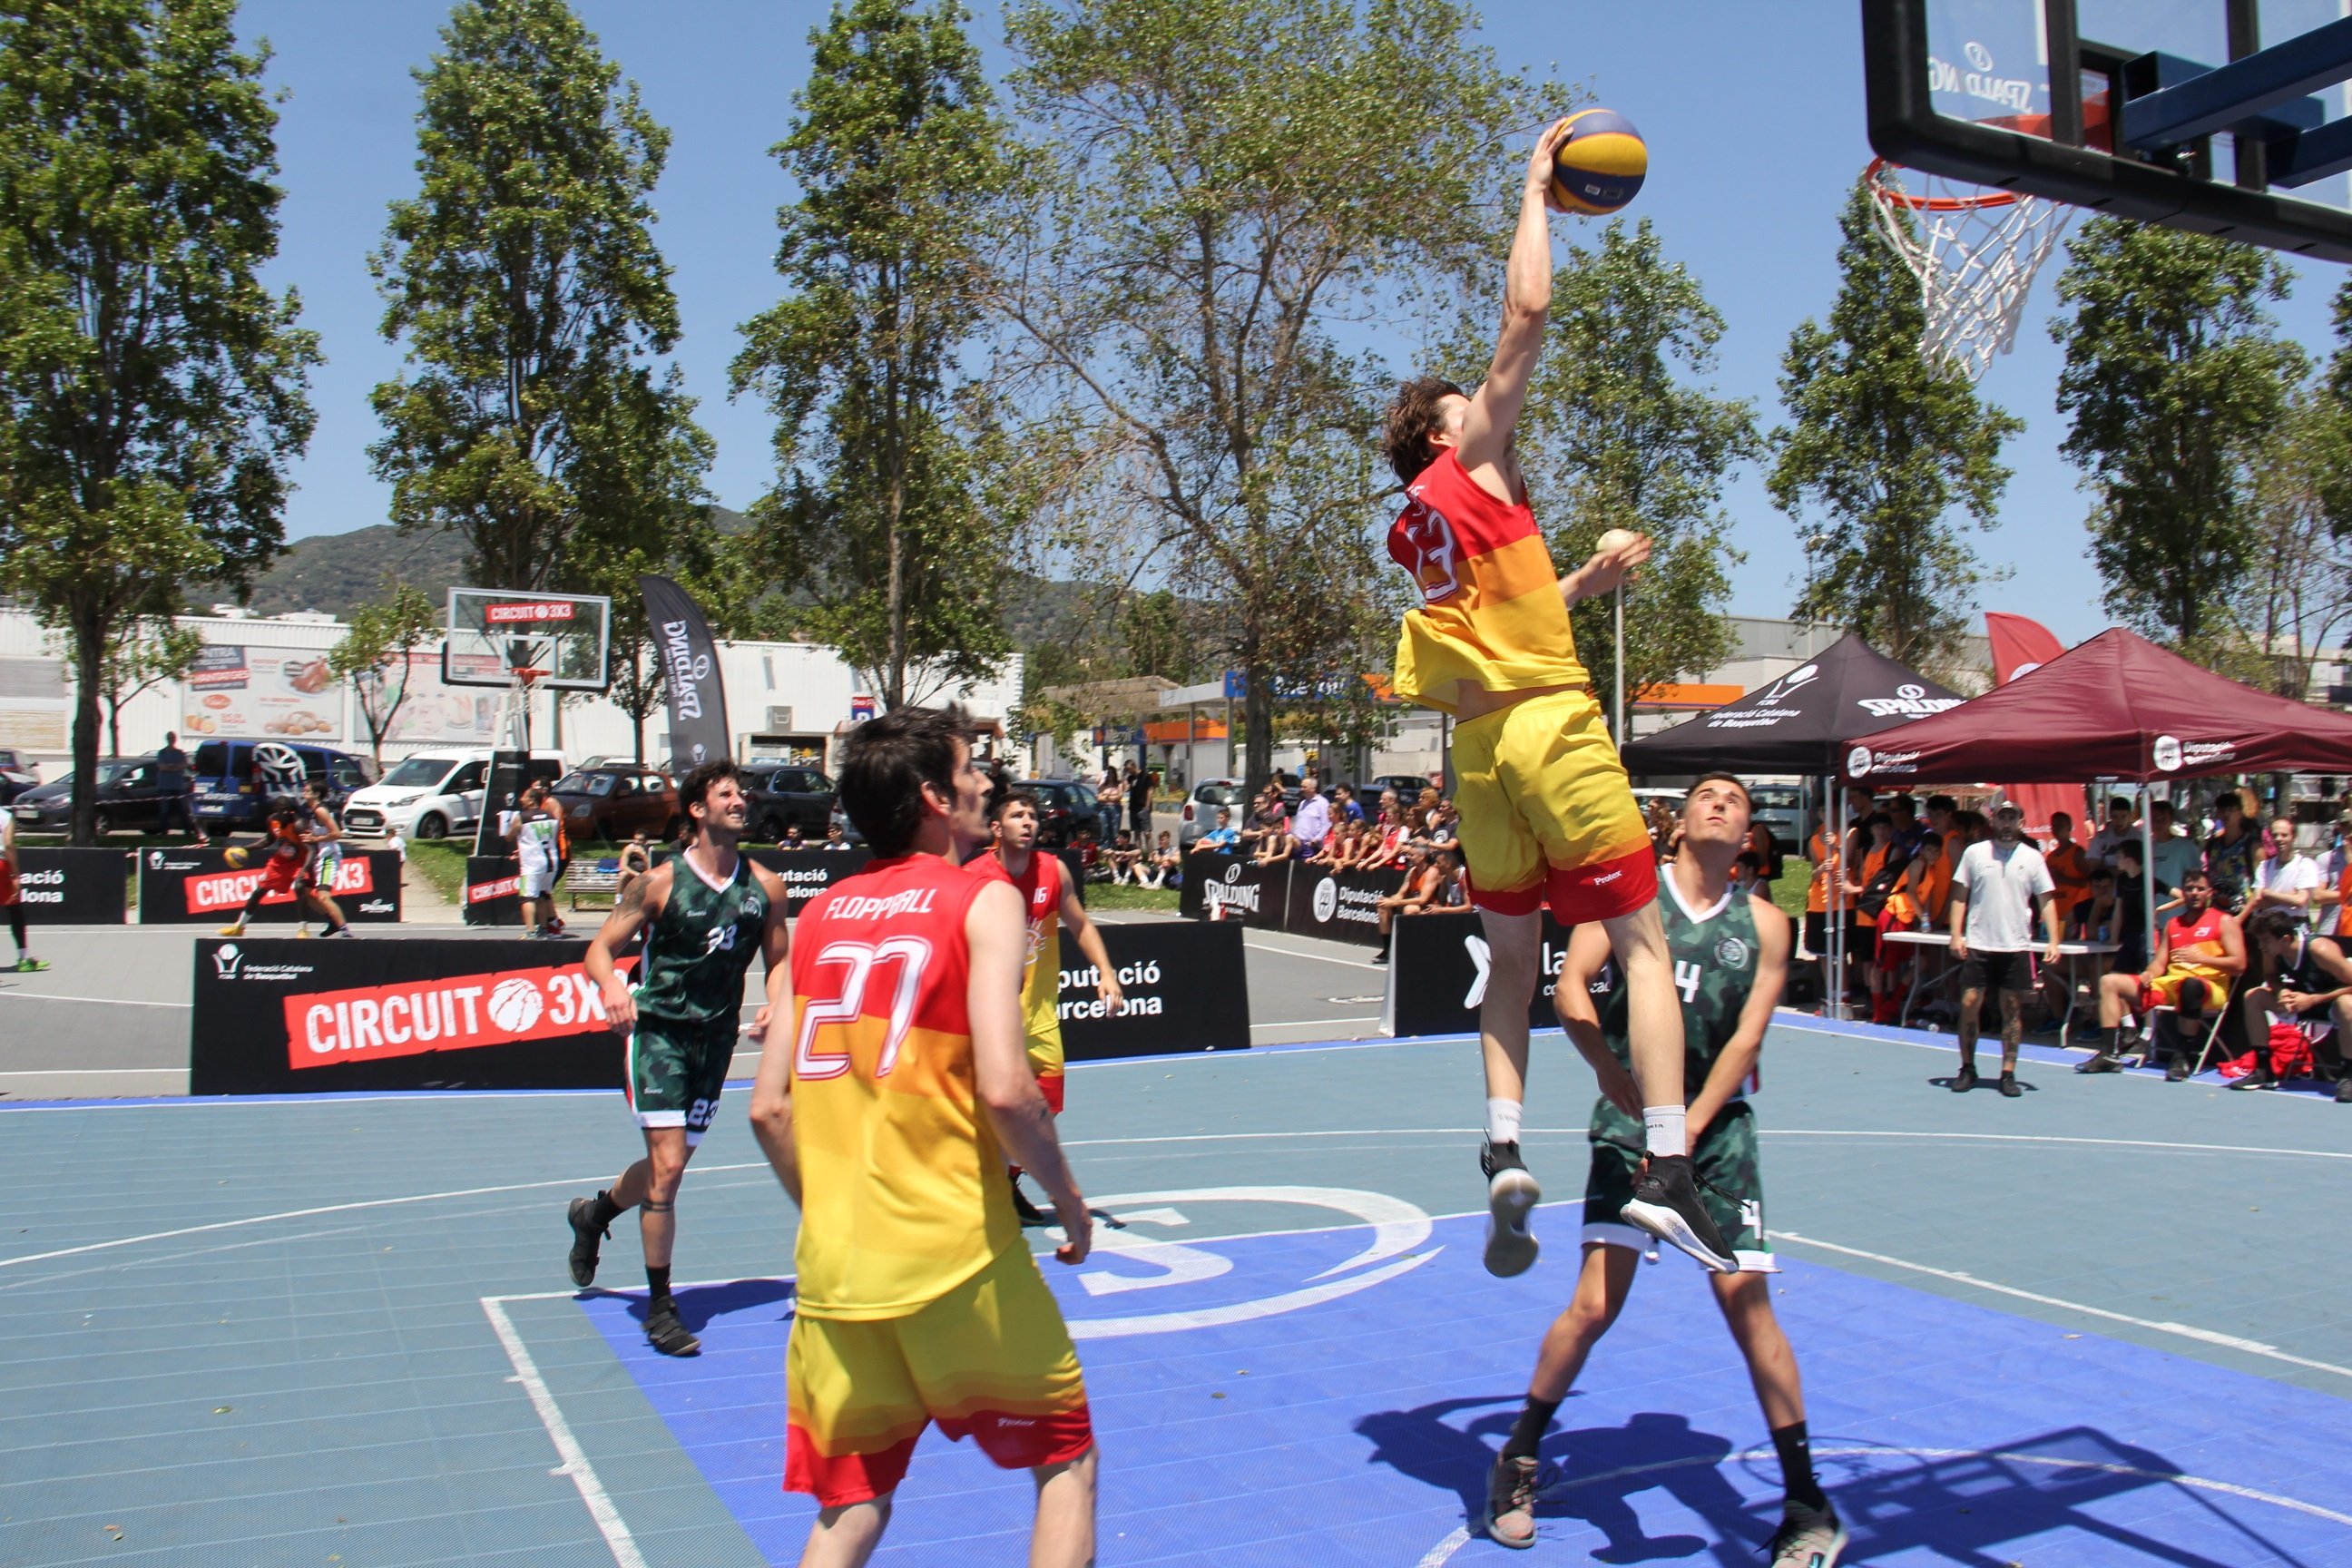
113 726
1257 709
90 649
637 722
894 683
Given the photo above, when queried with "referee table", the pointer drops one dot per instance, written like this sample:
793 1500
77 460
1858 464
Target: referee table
2104 1323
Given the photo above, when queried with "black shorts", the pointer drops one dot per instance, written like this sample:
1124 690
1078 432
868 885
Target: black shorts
1858 936
1997 972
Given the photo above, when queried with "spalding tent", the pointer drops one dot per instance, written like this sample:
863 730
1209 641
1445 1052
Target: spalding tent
1801 723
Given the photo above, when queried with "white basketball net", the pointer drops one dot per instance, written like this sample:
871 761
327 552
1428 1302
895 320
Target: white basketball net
1975 252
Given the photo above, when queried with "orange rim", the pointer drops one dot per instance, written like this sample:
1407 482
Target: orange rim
1886 193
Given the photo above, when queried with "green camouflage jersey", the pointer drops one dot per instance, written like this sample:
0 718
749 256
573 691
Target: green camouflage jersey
697 949
1715 954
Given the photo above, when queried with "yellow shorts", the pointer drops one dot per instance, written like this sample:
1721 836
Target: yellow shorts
991 1358
2165 990
1546 816
1045 1050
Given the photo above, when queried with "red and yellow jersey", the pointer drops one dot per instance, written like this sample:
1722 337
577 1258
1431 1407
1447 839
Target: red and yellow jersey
902 1181
1040 888
2187 941
1491 614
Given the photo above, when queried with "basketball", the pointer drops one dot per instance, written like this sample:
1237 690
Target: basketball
235 855
1616 539
514 1004
1598 166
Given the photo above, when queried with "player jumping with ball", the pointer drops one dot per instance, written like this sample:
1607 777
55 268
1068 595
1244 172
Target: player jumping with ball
706 911
1547 815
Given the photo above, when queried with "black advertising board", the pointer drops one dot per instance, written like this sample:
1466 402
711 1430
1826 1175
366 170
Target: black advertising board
808 872
1339 905
493 891
74 886
272 1015
1242 889
1185 987
198 887
1437 974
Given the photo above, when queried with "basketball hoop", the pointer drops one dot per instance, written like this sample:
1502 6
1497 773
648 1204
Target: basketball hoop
1974 250
527 676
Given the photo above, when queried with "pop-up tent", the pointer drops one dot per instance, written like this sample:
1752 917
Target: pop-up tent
1801 723
2116 706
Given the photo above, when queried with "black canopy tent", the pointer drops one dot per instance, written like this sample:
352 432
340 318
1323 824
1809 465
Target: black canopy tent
1801 723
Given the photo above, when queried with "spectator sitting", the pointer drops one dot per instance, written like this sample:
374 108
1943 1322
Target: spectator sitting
634 861
1275 846
1387 848
1420 885
1092 866
2175 851
1124 860
1269 818
2200 956
792 839
2069 868
1444 823
2310 987
1449 893
2335 879
1326 855
835 838
2232 852
1165 867
2119 828
1766 850
1221 839
1422 817
1747 877
1344 804
2094 918
2284 877
2131 910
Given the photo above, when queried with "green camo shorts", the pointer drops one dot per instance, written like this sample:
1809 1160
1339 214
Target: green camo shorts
677 1072
1724 1158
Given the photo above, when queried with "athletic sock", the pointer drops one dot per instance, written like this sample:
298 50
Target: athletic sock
1526 1434
1663 1130
657 1283
601 1210
1797 1467
1502 1119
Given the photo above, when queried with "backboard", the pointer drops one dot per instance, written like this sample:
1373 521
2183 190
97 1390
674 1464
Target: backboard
2223 117
495 631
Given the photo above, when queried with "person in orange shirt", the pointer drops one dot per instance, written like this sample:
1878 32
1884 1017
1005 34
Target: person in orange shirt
1915 893
1871 890
1829 884
2069 868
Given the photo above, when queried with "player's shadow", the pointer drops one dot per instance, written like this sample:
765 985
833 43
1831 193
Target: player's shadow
1987 1083
697 1304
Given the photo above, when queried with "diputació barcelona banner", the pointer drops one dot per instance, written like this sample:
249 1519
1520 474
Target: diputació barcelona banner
74 886
192 887
1185 984
275 1017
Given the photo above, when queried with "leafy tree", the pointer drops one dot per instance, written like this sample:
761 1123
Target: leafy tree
374 655
142 652
1882 443
1221 188
151 390
2173 374
524 280
881 451
1614 435
2296 599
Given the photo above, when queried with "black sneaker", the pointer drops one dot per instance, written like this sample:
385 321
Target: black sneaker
2101 1063
1030 1214
2177 1069
1511 1489
2259 1078
342 932
2008 1086
587 1240
2344 1091
667 1334
1511 1195
1380 955
1808 1539
1665 1204
1964 1080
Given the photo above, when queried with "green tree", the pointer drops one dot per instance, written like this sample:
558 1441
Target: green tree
142 652
151 390
1615 434
374 656
2294 602
2172 375
524 280
1883 444
1220 189
881 449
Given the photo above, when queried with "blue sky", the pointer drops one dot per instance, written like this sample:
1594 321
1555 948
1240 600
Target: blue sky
1753 113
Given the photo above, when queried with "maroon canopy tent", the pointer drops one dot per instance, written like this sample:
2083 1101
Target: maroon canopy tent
2116 707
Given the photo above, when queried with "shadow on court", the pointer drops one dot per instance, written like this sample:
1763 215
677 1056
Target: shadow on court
698 1304
1980 1506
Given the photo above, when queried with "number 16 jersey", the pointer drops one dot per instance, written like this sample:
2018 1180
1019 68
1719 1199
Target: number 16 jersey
902 1181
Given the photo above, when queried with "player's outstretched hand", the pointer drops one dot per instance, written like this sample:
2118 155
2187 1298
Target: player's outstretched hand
1613 564
759 1029
1078 1226
1540 160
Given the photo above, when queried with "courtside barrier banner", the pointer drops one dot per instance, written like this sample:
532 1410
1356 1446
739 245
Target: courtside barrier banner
1236 888
1341 906
1185 987
74 886
493 891
199 886
272 1015
1437 974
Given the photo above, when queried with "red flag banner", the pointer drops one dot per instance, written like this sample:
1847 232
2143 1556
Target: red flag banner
2020 646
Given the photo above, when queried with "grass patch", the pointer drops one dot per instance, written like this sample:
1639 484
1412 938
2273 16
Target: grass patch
1788 892
442 862
1107 896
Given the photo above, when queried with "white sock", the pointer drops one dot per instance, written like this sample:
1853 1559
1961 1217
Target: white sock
1663 1130
1502 1120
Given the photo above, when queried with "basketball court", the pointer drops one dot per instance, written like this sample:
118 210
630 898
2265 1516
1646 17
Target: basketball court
2102 1324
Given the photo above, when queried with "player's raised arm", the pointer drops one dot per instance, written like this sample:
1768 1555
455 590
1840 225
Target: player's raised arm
999 938
1493 412
639 903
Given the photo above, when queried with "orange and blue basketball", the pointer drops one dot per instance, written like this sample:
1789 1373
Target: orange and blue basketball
1600 165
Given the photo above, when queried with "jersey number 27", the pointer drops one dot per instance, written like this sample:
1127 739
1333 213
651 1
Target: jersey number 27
858 961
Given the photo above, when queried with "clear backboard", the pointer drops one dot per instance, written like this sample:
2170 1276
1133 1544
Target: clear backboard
2224 117
493 632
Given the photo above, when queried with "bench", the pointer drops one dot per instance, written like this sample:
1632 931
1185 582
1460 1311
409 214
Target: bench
592 878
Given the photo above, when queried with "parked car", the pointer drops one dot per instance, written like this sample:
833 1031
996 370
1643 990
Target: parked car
1781 809
131 794
785 796
1063 806
613 802
18 773
233 786
1199 813
433 794
1407 785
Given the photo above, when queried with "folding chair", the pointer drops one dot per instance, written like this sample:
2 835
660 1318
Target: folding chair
2221 1014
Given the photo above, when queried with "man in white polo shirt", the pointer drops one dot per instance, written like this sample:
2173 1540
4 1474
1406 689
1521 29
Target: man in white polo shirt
1311 824
1995 890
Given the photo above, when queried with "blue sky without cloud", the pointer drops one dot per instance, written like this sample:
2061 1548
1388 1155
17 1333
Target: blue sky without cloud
1753 113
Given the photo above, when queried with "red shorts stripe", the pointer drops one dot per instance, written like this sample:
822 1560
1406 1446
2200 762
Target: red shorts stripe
1603 890
836 1480
1049 1084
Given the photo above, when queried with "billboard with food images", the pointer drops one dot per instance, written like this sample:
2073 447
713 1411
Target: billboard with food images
248 691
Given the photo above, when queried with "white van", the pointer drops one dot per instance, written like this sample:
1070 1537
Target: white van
431 795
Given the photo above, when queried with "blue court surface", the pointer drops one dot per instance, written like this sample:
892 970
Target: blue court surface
2104 1323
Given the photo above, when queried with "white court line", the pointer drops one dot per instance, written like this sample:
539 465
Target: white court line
1317 957
2051 1138
24 995
85 1072
1312 1023
2184 1331
609 1523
